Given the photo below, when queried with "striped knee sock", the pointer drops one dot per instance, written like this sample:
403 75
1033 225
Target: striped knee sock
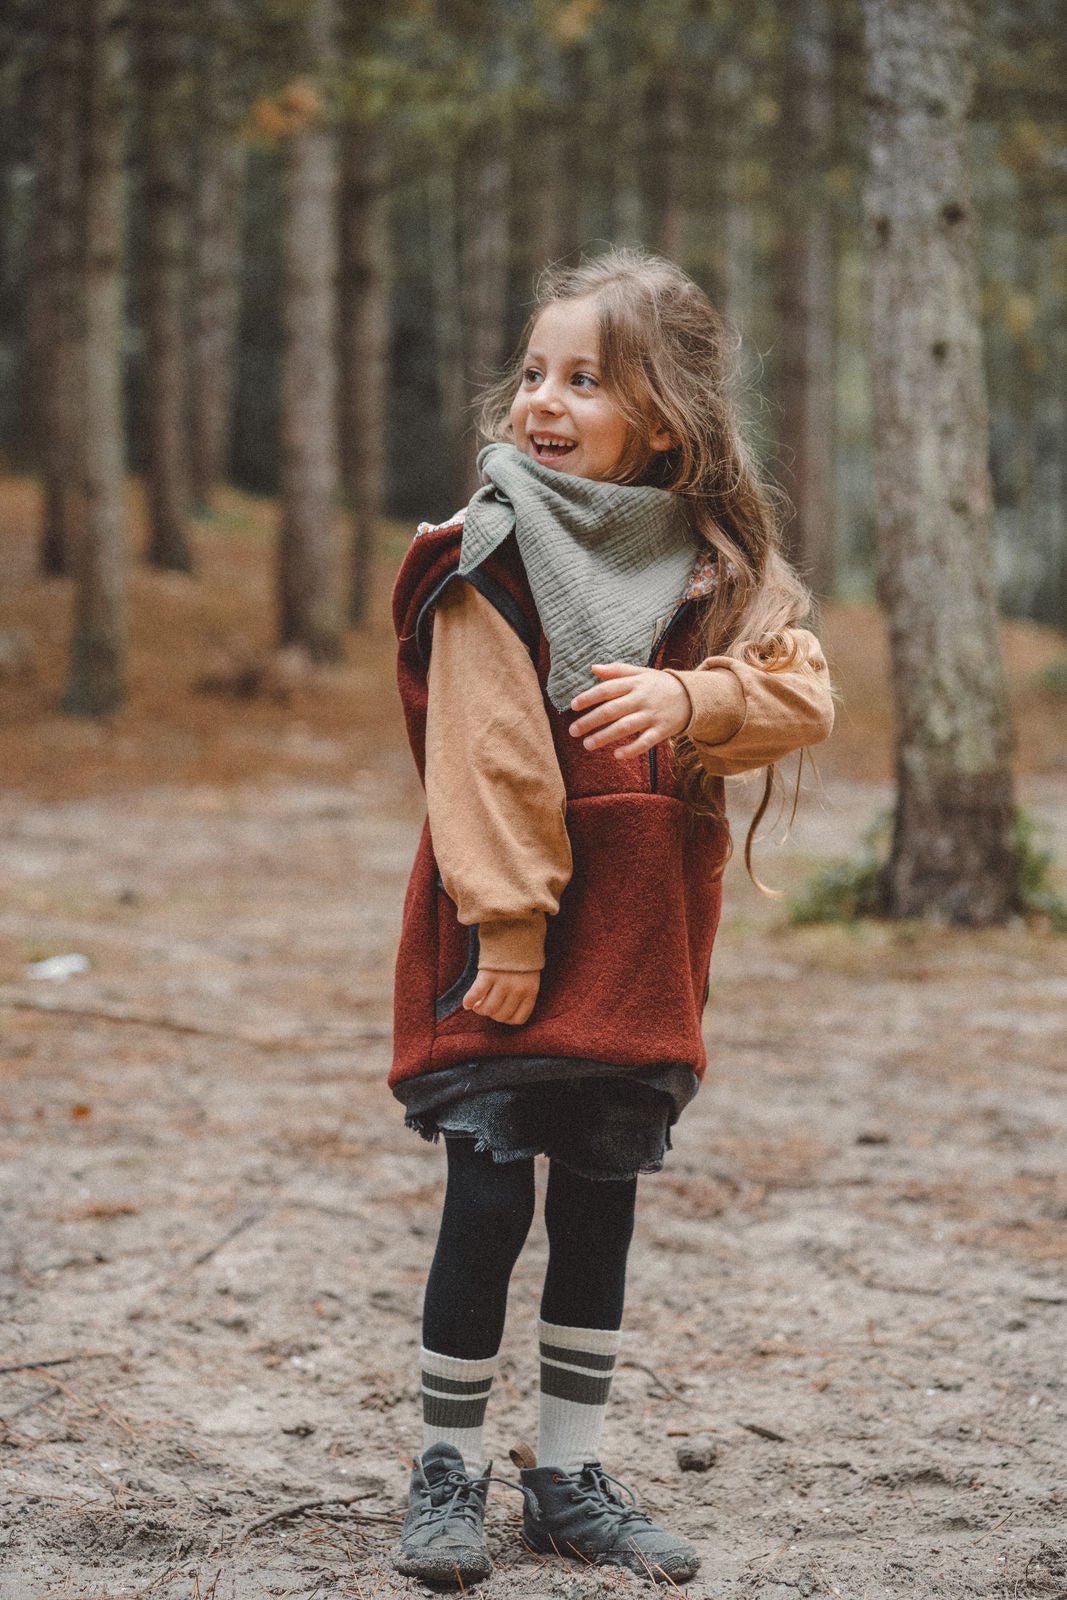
455 1394
577 1366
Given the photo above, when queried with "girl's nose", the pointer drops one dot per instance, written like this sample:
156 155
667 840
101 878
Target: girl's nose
546 398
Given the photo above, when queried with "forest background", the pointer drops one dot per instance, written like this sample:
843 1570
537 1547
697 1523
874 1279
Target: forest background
256 259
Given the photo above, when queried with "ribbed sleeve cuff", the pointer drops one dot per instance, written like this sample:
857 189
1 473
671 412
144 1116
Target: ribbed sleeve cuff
514 945
717 697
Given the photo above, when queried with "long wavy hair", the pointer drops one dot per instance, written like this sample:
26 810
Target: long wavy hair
670 361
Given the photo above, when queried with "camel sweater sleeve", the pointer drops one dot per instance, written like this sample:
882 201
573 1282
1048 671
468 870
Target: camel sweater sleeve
745 716
494 792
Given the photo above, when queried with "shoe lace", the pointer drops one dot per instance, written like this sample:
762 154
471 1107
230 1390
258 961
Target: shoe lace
596 1490
452 1497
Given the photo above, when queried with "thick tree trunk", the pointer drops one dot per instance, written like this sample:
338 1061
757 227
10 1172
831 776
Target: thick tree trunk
364 351
674 138
448 322
164 42
309 568
806 301
733 93
217 240
953 852
485 280
96 681
629 135
54 333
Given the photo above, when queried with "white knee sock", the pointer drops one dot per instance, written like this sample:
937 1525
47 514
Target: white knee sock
577 1366
455 1394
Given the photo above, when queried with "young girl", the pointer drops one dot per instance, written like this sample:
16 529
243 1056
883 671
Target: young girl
605 633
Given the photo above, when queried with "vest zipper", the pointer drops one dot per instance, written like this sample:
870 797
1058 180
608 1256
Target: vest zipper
657 647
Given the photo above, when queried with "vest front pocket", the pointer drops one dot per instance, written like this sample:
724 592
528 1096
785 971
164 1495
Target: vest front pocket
457 956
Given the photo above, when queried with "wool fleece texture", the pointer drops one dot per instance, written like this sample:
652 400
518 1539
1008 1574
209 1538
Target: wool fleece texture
627 954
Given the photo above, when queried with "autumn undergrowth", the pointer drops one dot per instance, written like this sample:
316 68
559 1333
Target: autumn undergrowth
851 888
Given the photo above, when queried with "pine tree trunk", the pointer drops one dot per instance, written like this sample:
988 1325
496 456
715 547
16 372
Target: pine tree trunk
806 302
485 281
364 351
217 252
54 334
309 575
953 853
96 681
674 138
164 40
733 94
448 322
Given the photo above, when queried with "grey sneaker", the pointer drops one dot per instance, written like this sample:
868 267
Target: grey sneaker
581 1515
442 1538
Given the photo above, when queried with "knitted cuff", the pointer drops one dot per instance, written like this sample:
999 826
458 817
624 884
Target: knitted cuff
514 945
717 697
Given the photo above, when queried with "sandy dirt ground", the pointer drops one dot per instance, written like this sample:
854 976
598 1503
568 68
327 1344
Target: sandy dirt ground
850 1278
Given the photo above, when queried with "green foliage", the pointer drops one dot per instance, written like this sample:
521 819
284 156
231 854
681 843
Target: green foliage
1054 677
844 890
1036 895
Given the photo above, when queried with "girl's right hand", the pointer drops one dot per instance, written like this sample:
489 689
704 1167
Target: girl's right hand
504 996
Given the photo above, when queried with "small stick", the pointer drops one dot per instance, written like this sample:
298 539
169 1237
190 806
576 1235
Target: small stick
764 1433
56 1361
313 1505
649 1372
147 1019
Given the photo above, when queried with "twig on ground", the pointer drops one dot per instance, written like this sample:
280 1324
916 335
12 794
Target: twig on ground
763 1433
147 1019
56 1361
649 1372
315 1505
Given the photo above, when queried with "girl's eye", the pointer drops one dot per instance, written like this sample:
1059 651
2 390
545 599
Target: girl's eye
531 375
585 378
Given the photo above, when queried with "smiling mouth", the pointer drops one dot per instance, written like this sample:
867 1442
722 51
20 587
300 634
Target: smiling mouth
548 448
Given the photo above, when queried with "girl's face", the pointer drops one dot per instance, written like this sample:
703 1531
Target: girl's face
562 415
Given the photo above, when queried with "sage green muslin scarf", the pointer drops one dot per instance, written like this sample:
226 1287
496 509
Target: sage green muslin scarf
605 561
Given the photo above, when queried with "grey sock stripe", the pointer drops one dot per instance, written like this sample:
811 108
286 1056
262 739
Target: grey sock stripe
472 1386
578 1358
580 1387
438 1412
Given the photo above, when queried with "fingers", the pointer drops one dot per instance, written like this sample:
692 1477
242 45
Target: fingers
507 997
602 691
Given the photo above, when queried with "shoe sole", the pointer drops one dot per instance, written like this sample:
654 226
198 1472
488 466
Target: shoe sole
664 1569
442 1570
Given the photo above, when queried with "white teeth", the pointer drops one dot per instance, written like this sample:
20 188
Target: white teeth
543 441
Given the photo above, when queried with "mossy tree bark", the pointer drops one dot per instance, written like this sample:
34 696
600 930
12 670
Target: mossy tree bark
54 330
96 681
953 852
806 297
364 350
220 171
163 33
309 559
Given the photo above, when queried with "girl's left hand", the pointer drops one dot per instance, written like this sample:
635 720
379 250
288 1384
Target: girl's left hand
641 704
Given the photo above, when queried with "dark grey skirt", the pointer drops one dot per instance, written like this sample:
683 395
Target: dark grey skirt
600 1120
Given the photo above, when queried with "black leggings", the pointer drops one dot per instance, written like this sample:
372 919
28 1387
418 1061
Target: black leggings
487 1213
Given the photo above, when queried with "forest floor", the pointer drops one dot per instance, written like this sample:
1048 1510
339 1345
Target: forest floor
850 1278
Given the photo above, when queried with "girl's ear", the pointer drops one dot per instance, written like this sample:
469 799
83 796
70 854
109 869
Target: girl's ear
660 439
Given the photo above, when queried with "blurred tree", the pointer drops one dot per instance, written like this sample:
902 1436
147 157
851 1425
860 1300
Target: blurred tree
806 292
953 853
364 348
96 681
310 612
55 351
220 170
163 40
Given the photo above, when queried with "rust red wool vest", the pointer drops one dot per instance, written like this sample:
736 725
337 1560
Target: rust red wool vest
627 956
